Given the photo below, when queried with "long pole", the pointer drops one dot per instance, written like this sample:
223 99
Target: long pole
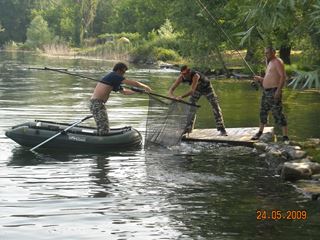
65 71
59 133
162 96
96 80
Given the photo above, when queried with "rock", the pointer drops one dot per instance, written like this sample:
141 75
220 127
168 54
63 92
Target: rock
316 177
266 137
294 154
262 155
312 143
292 171
260 146
310 187
313 166
274 153
124 40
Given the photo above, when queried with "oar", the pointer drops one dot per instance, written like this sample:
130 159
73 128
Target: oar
63 131
162 96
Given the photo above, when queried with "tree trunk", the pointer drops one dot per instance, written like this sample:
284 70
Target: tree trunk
224 66
285 52
249 55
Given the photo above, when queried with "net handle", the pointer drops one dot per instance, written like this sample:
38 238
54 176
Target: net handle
158 95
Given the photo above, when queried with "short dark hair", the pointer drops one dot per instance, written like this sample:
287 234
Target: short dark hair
120 66
270 48
184 67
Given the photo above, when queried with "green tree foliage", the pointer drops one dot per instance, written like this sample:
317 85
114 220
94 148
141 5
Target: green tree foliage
196 31
87 14
138 15
15 17
38 33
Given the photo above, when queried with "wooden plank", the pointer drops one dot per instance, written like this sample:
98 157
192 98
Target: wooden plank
236 136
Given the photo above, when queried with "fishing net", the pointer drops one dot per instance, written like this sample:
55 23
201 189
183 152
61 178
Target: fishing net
167 121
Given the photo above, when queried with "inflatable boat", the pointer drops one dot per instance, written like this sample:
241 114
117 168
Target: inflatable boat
80 138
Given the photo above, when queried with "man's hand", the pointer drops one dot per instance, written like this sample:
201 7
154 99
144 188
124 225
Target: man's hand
147 88
277 95
258 78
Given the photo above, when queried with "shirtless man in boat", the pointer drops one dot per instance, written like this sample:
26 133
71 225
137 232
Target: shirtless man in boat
111 82
272 84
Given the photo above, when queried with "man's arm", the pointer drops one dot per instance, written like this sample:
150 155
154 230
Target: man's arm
259 79
282 77
174 86
137 84
194 85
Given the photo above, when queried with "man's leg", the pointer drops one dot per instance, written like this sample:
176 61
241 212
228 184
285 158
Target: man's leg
214 102
99 112
264 109
280 118
192 114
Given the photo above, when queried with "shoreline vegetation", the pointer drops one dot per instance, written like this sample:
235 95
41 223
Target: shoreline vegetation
122 50
210 38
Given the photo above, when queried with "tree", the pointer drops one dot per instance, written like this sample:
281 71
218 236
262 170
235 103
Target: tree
14 17
38 33
87 14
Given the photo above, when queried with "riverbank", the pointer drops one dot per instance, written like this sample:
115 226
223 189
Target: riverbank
292 163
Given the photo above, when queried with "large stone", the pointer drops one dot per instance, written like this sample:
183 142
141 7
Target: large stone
260 146
310 187
313 166
294 153
266 137
316 177
292 171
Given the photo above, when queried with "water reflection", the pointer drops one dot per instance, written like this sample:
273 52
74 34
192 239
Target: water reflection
100 177
24 157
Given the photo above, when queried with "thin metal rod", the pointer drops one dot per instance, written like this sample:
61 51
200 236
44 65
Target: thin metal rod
200 3
66 72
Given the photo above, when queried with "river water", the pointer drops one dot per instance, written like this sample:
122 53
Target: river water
193 191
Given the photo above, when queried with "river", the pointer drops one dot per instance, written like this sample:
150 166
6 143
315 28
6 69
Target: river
193 191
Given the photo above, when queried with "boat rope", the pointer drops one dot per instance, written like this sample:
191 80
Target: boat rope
214 20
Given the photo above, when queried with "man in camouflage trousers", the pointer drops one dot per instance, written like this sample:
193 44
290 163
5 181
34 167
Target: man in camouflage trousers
111 82
272 84
199 85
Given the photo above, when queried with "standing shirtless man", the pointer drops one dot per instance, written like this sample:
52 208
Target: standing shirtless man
272 84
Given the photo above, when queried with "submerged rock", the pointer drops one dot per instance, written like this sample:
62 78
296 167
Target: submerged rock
294 171
310 188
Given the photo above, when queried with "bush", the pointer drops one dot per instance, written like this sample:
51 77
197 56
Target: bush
164 54
38 33
143 53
